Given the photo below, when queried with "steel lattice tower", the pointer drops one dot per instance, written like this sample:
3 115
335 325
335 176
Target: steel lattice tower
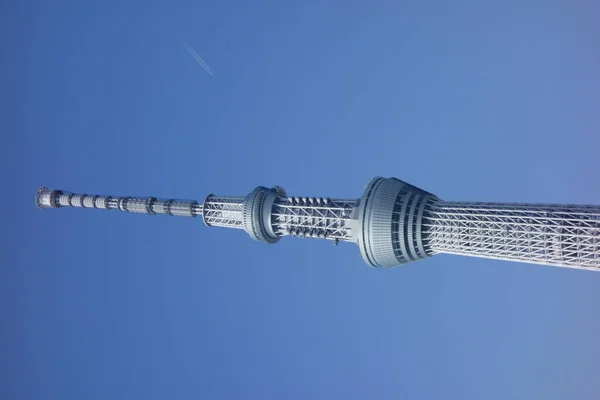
393 223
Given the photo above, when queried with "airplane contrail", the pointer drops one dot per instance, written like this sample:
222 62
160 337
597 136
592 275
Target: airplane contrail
195 55
198 59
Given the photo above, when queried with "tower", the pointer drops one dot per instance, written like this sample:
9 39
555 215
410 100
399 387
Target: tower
393 223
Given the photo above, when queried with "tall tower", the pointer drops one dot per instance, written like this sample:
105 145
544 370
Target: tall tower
393 223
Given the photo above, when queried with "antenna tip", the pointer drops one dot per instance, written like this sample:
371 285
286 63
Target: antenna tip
44 198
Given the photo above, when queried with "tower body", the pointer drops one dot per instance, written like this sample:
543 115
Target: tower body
393 222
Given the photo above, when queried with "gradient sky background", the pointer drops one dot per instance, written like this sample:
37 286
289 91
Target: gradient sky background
470 100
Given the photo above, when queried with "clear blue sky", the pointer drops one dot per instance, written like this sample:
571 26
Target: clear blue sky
470 100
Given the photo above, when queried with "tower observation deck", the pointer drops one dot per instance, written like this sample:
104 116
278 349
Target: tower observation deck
393 223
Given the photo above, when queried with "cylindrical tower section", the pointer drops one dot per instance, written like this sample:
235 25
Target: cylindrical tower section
46 198
314 217
560 235
224 211
390 215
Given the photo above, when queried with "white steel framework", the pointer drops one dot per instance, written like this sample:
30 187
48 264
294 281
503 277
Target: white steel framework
314 217
393 223
563 235
225 211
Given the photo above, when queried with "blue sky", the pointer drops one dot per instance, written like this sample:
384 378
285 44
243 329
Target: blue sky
472 100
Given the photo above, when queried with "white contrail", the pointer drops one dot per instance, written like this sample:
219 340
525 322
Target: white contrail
195 55
197 58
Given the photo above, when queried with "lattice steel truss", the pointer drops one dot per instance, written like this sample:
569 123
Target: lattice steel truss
393 223
225 211
314 217
562 235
